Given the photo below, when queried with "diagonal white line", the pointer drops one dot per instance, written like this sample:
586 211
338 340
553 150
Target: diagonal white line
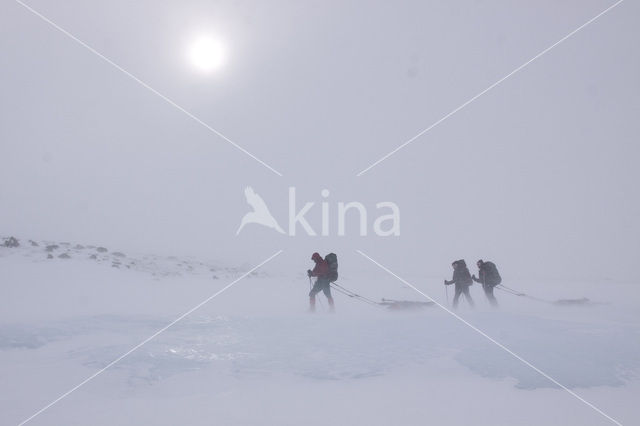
143 84
154 335
491 339
488 89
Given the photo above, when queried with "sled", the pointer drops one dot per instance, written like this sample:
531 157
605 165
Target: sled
405 305
572 302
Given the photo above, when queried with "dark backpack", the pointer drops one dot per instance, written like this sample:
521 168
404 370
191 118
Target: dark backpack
492 276
332 261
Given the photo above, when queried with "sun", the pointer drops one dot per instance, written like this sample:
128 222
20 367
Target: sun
206 54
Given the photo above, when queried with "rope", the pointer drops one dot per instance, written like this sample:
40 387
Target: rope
509 290
351 294
366 299
354 296
518 293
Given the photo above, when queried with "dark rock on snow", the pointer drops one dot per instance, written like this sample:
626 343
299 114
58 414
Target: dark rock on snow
11 242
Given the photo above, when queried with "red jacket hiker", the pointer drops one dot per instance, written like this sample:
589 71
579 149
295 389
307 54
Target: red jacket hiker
321 269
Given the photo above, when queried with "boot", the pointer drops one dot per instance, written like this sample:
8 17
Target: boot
332 307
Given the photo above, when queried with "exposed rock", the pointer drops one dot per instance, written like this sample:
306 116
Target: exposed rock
93 256
118 254
49 256
78 247
101 250
11 242
34 244
64 256
52 247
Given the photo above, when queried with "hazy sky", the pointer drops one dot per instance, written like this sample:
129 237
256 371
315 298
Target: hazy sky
539 174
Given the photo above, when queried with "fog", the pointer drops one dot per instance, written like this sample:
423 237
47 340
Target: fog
539 174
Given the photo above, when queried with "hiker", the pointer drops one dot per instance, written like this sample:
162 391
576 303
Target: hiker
489 277
462 280
323 283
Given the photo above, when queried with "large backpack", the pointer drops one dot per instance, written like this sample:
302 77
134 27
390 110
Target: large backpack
332 261
492 276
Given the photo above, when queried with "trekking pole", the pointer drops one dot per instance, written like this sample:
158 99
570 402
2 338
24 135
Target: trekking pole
311 288
446 291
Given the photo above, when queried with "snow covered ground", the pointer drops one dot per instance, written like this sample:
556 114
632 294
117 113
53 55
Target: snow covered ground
254 355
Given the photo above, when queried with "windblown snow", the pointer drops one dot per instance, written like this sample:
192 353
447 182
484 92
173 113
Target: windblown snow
254 355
